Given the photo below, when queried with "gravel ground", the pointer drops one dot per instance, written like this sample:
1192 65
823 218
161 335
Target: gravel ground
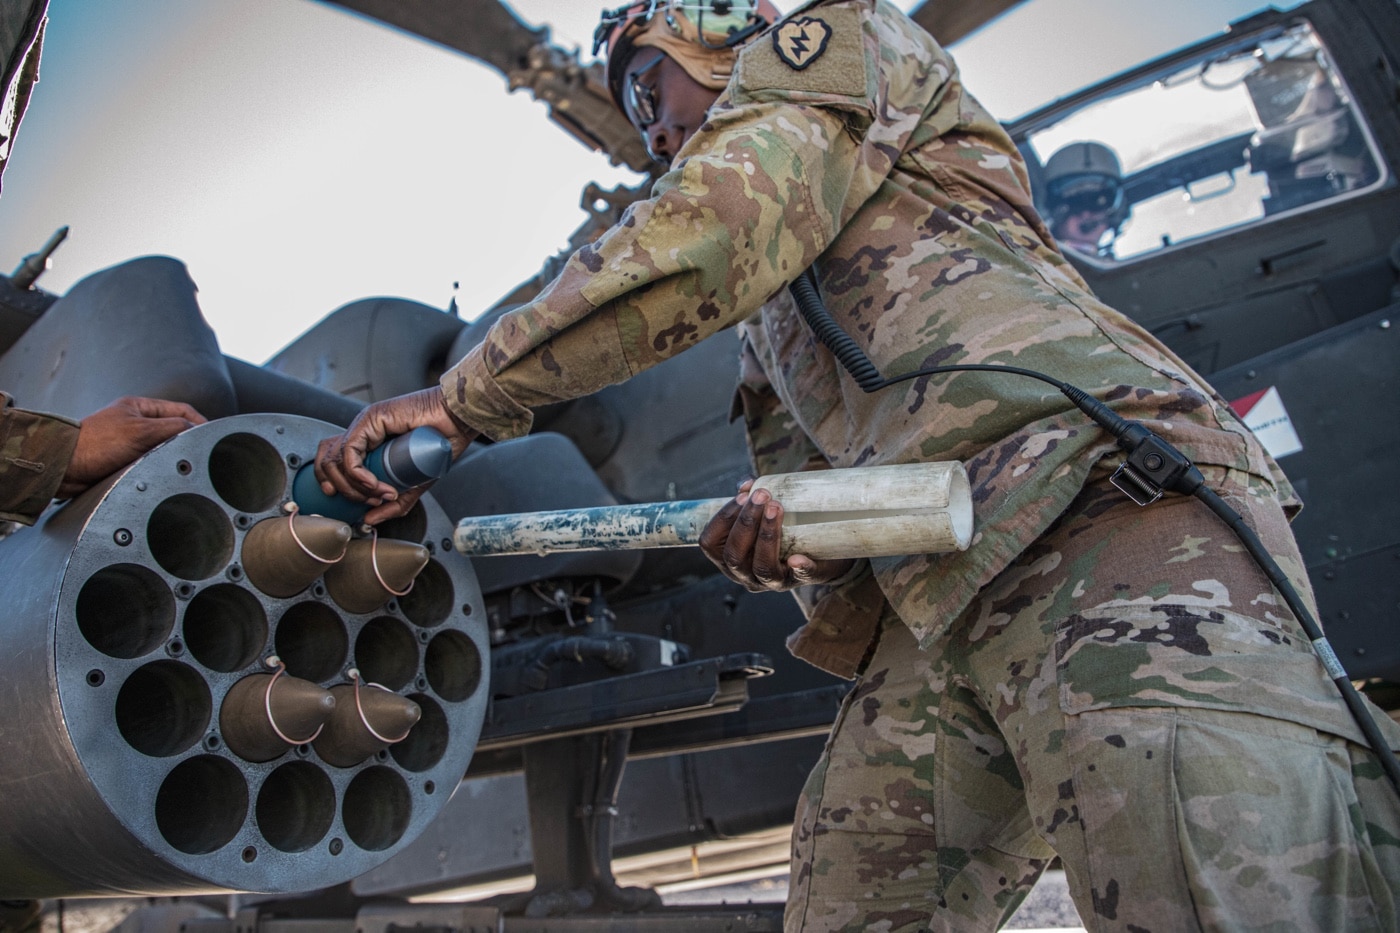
1047 908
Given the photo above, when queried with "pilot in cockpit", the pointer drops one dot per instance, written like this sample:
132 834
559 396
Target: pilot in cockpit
1084 199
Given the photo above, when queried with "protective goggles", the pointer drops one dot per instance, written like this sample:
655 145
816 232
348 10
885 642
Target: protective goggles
1084 194
640 96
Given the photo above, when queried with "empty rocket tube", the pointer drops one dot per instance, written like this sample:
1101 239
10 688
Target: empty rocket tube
367 719
282 557
258 726
373 571
881 511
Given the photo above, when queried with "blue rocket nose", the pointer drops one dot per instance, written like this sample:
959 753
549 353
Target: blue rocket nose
409 460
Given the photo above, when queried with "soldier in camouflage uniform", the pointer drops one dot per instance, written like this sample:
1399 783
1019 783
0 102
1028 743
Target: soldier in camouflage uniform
1118 686
44 456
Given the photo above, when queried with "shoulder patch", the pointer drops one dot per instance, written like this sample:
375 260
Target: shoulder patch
801 42
820 52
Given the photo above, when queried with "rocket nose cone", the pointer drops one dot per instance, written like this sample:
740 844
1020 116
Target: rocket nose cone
373 571
420 456
364 725
399 562
282 556
299 707
389 714
261 717
324 537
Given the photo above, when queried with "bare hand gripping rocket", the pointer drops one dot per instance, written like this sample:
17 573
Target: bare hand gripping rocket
420 456
882 511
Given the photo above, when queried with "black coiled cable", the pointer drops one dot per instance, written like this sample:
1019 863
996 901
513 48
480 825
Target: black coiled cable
845 349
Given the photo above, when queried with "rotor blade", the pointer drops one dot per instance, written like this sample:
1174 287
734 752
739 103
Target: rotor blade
951 20
579 102
490 32
484 29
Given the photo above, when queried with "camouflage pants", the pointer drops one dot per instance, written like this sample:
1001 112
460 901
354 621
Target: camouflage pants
1132 696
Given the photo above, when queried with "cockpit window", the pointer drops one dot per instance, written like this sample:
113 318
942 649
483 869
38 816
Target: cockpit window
1245 132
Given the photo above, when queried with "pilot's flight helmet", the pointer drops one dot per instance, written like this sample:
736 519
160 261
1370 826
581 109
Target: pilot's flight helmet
703 36
1085 176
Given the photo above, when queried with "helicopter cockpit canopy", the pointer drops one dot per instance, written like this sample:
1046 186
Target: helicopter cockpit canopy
1240 132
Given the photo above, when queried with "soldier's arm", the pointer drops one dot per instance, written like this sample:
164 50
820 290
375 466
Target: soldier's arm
706 251
116 435
34 453
46 456
756 195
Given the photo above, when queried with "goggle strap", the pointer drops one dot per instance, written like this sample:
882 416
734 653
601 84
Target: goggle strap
611 19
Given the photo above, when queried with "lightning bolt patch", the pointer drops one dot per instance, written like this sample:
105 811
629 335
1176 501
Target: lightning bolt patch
802 41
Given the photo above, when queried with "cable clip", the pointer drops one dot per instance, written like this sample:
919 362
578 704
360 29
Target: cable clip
1134 485
293 510
374 564
1152 467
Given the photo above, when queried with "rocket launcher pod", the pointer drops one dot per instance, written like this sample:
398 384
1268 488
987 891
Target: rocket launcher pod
265 714
133 644
367 718
282 556
373 570
882 511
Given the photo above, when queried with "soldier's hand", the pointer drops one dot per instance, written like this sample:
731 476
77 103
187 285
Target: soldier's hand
340 460
111 438
744 540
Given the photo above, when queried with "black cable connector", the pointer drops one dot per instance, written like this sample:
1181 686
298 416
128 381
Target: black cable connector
1152 466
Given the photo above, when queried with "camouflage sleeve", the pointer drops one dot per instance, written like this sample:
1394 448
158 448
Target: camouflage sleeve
776 443
842 619
34 452
784 161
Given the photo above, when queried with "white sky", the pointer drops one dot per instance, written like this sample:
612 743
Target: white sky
297 157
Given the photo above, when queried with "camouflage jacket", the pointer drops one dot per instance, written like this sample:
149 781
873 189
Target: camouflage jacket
34 453
846 140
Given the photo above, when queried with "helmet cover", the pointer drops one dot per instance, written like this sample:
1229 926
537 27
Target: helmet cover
1085 176
702 36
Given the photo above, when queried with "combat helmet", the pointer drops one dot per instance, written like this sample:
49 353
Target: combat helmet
703 36
1085 176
